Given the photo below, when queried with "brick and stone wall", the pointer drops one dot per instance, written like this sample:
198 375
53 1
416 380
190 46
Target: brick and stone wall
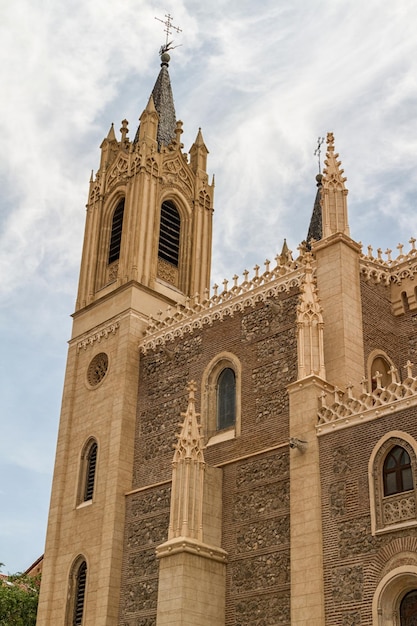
354 559
255 464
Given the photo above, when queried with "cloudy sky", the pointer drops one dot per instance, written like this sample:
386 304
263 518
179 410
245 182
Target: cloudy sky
264 80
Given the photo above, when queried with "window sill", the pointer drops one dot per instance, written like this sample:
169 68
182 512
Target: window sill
412 523
82 505
223 435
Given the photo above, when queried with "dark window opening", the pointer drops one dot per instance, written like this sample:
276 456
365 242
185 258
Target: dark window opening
90 472
226 399
397 472
116 232
80 585
408 609
169 233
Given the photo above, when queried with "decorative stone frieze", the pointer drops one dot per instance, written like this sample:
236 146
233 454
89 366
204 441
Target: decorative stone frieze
174 172
389 270
202 309
399 508
347 409
98 335
168 272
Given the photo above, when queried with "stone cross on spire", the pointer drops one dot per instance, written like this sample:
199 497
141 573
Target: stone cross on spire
169 27
317 151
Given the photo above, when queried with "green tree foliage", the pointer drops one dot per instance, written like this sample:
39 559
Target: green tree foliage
19 600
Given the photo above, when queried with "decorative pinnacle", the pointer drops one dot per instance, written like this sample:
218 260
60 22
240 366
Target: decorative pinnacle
317 151
169 27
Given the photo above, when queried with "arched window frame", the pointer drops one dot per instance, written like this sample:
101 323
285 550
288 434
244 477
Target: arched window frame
87 473
386 377
77 592
391 590
397 510
177 276
222 361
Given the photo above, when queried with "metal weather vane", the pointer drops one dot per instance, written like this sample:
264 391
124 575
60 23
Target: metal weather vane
169 27
317 151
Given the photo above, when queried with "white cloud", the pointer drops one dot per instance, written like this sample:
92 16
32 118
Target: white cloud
263 80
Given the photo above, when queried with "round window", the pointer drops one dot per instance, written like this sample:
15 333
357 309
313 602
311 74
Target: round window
97 369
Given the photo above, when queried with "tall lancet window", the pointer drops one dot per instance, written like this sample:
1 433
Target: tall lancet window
116 232
226 399
169 233
80 585
90 472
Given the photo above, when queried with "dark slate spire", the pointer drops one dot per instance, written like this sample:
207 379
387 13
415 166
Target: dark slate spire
315 230
164 105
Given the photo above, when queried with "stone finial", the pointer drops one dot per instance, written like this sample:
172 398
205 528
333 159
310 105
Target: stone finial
188 475
310 329
334 192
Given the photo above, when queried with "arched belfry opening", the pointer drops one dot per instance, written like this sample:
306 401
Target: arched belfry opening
116 232
169 233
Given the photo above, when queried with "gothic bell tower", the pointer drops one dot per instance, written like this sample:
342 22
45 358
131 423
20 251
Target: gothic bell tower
147 245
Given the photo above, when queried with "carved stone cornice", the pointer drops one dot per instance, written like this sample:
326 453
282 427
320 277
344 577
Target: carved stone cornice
196 314
346 410
388 270
98 335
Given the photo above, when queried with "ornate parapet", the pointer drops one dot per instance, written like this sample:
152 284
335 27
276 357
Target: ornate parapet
347 410
388 270
198 312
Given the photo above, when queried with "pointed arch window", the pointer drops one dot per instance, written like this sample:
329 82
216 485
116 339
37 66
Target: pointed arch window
169 233
397 471
116 232
226 399
79 596
87 472
91 462
392 472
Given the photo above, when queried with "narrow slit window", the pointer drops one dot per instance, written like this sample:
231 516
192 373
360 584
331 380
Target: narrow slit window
80 586
116 232
169 233
90 472
226 399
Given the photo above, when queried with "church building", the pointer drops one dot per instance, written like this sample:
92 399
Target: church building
240 456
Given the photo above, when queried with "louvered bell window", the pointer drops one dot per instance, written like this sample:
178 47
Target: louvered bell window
116 232
169 234
90 472
80 585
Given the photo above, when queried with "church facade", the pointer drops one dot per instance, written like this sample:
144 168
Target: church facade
245 456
